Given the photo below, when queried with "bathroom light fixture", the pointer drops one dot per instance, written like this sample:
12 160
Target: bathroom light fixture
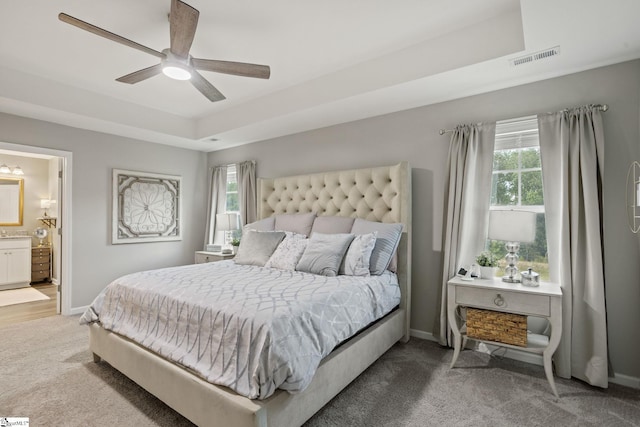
16 170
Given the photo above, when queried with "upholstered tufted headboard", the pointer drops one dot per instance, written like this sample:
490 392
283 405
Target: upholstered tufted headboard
376 194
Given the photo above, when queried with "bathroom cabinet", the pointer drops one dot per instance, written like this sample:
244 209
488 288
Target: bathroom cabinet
15 262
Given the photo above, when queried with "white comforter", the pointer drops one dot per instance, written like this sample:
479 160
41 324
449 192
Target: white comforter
252 329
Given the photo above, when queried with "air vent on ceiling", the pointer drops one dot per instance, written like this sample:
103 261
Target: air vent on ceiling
543 54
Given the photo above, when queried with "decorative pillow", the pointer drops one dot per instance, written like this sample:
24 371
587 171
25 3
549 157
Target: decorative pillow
332 224
293 235
256 247
288 253
386 242
298 223
324 253
267 224
356 260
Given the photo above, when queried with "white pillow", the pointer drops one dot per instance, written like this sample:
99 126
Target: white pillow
288 253
356 261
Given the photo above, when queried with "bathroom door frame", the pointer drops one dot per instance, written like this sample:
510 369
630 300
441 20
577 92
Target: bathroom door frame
64 275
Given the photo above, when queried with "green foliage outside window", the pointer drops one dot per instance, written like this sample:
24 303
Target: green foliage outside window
517 182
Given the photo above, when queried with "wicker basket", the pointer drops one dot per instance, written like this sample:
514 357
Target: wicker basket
490 325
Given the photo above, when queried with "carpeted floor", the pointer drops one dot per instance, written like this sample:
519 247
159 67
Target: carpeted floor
47 374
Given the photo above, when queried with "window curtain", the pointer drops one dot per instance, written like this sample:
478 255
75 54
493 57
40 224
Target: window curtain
572 152
246 173
216 203
467 200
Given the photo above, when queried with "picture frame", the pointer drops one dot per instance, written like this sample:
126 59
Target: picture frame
146 207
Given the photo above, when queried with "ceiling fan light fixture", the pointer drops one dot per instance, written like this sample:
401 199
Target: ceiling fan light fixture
176 72
176 67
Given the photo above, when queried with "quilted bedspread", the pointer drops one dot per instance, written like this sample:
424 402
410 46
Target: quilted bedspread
252 329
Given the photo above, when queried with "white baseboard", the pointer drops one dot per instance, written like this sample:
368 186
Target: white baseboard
55 281
422 335
78 310
625 380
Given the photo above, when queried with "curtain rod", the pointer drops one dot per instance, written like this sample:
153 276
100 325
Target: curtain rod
601 107
232 163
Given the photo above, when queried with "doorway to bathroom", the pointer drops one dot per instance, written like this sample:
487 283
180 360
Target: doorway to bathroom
42 286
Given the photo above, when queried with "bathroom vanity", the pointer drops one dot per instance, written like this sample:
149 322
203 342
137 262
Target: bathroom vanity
15 262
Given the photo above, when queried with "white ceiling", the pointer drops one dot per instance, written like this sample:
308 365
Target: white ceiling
332 61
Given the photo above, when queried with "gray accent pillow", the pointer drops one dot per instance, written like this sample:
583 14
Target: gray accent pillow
387 241
324 253
298 223
256 247
267 224
332 224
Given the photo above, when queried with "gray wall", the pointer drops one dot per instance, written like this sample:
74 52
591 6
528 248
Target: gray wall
95 262
413 135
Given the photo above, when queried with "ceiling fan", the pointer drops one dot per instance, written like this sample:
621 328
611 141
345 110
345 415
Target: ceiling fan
175 61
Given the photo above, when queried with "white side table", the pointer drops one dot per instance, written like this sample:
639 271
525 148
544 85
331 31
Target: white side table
542 301
204 256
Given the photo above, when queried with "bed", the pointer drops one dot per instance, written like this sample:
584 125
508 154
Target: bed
380 194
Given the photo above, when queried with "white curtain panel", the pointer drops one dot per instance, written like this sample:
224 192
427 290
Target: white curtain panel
572 152
467 200
246 173
216 203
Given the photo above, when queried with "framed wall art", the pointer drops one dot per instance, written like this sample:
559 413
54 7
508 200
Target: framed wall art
146 207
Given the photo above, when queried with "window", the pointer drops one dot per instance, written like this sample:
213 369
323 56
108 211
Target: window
517 184
232 204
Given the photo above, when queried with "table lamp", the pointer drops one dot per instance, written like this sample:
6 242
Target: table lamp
227 222
513 227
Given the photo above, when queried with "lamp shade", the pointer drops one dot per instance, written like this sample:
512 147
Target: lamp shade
512 226
45 203
227 222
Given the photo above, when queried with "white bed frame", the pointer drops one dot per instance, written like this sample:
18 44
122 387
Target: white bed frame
377 194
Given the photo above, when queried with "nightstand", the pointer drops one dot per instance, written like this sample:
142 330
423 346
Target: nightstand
204 256
542 301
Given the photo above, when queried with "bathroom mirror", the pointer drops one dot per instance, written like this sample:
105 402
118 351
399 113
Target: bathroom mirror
11 201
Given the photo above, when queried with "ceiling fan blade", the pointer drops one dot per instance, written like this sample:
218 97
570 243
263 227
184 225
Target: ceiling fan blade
236 68
206 88
140 75
183 21
107 34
